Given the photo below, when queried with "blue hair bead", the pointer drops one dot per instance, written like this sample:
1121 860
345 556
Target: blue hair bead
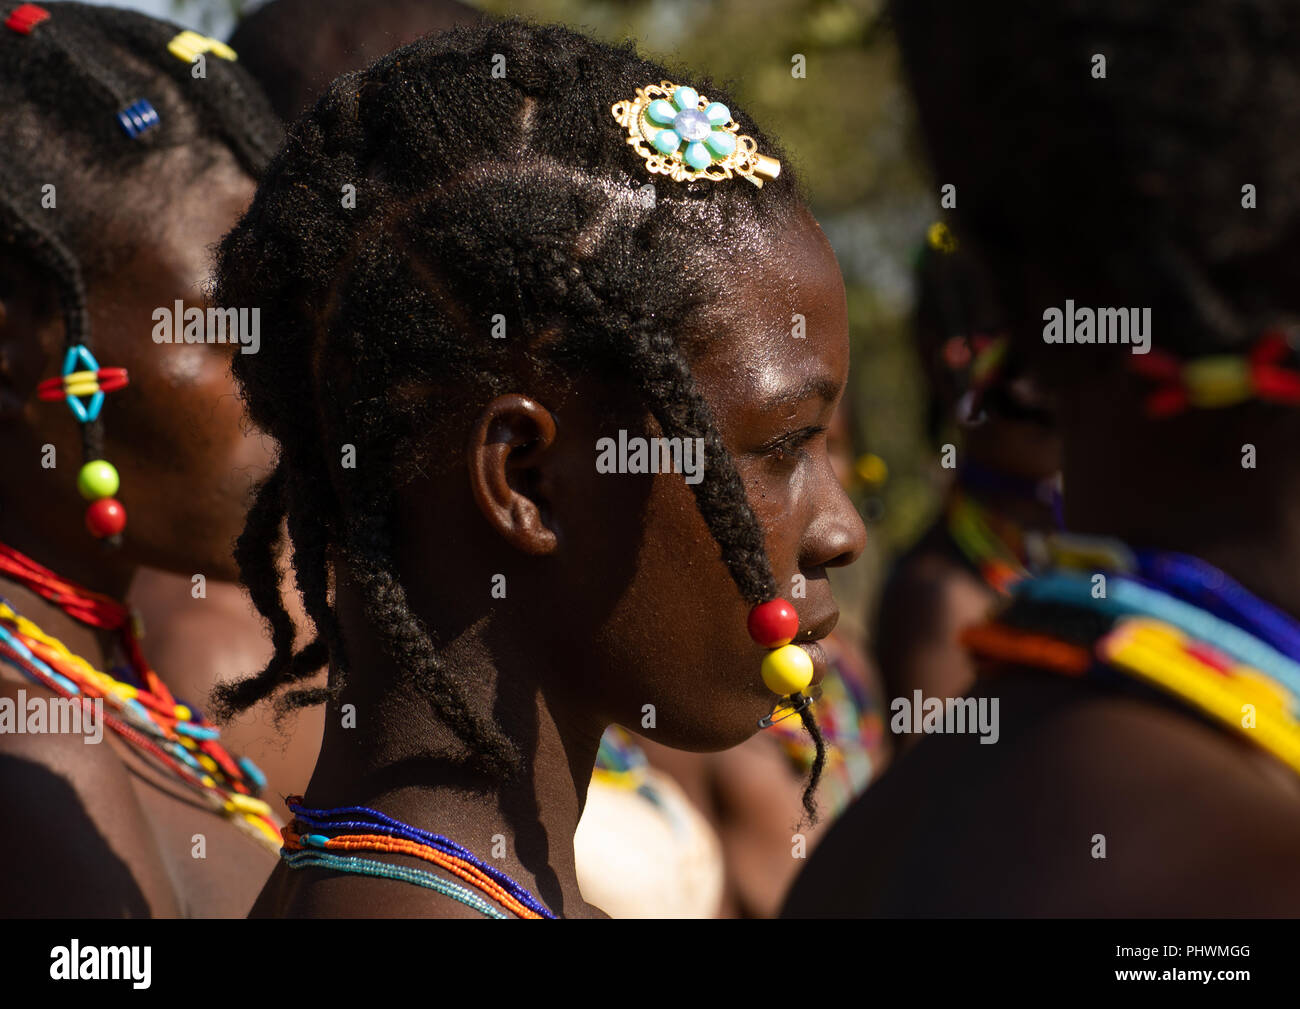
138 117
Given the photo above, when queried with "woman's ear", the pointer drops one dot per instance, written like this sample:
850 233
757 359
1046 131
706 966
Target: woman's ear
509 448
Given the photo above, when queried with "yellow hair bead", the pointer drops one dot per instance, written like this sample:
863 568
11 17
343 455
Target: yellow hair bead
208 764
941 239
871 469
182 713
787 670
187 45
1217 381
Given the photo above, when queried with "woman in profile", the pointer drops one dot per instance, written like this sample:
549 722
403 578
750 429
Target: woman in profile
513 285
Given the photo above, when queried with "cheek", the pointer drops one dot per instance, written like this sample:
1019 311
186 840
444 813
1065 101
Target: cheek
184 415
784 502
675 636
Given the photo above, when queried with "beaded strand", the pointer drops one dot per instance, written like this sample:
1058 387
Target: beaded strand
1171 622
143 713
381 832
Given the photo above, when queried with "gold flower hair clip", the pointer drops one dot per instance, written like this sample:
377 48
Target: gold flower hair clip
683 135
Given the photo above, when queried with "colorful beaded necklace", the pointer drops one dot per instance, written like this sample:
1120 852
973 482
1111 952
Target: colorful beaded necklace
991 543
1168 622
317 836
144 712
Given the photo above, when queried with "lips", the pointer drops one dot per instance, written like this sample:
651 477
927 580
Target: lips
812 645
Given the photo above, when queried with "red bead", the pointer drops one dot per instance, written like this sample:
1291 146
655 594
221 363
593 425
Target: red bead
26 17
773 623
106 517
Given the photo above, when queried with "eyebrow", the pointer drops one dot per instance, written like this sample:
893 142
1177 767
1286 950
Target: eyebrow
822 387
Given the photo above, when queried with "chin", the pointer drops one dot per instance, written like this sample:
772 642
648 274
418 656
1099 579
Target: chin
730 727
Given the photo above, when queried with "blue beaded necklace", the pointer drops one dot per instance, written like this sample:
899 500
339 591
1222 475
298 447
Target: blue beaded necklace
327 824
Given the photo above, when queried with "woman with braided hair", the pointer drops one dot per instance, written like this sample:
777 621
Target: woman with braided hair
125 160
493 268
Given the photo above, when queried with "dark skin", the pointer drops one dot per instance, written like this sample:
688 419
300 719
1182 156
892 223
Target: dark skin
616 597
186 464
1197 820
220 638
750 793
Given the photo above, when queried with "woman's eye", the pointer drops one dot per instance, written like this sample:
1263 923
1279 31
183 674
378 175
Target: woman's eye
786 447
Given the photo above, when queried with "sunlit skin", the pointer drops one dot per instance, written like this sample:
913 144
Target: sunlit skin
615 597
176 436
751 793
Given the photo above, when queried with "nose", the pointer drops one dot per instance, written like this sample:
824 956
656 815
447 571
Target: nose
837 535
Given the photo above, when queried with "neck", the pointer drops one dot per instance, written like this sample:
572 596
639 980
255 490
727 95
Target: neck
402 759
89 568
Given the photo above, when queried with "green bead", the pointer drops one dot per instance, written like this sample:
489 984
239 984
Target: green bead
98 480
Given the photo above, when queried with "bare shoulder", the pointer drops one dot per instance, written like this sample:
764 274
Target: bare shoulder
74 796
1088 804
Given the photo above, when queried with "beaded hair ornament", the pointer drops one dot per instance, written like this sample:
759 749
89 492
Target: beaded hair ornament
683 135
1220 380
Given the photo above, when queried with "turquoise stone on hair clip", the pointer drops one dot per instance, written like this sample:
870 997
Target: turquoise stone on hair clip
686 137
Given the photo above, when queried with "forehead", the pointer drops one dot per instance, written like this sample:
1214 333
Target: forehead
779 328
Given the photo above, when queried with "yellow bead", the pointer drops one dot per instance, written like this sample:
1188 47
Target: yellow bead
247 804
1217 381
787 670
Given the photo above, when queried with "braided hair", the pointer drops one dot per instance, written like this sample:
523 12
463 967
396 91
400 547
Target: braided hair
63 84
474 196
